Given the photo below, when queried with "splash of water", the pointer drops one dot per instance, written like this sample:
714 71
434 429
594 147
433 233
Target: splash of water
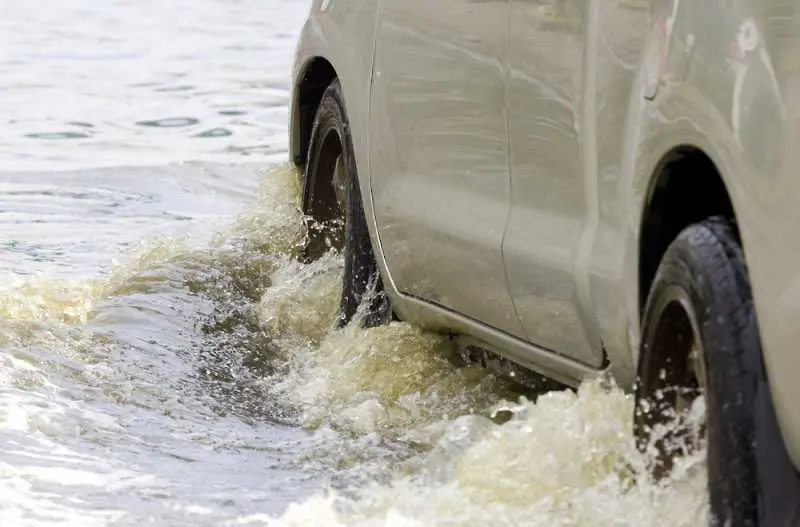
418 437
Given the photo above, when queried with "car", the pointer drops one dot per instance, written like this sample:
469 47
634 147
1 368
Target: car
615 193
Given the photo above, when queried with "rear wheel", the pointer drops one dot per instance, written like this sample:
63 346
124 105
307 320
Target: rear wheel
700 338
334 212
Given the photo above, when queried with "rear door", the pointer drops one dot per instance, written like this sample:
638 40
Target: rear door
572 68
439 153
548 151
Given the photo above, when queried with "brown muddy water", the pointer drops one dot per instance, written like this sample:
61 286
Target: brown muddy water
164 360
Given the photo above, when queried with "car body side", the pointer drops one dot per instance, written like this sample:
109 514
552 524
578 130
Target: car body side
723 84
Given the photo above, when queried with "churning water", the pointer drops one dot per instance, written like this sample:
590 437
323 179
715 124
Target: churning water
164 359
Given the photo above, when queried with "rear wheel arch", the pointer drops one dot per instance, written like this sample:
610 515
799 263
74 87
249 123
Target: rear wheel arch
686 187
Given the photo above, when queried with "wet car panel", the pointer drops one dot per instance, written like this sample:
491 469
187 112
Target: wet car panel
549 203
439 156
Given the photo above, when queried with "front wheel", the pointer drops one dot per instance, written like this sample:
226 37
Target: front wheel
701 347
334 210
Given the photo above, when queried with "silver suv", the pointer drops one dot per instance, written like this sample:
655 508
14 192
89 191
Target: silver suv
579 187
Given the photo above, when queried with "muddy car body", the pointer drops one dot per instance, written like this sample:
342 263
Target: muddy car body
530 174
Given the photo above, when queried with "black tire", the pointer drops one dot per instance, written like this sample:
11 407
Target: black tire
702 292
335 215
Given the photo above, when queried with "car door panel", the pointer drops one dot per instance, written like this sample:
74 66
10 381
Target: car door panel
439 153
548 214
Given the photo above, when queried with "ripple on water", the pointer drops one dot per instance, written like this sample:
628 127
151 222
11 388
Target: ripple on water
219 55
58 135
215 132
170 122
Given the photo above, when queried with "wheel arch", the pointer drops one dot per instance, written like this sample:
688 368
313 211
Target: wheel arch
686 187
314 77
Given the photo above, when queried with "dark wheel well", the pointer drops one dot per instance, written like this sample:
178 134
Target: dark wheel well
319 74
687 188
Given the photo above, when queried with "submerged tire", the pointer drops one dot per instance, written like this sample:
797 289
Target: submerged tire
334 212
701 300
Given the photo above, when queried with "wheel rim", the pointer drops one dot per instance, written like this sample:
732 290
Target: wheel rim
695 378
324 200
675 381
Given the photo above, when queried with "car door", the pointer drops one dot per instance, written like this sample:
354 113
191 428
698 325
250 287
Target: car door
547 155
572 71
439 153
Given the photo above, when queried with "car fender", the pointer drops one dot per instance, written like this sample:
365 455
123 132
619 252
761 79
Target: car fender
730 104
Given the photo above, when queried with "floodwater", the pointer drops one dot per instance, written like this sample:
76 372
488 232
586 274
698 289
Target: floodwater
165 361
